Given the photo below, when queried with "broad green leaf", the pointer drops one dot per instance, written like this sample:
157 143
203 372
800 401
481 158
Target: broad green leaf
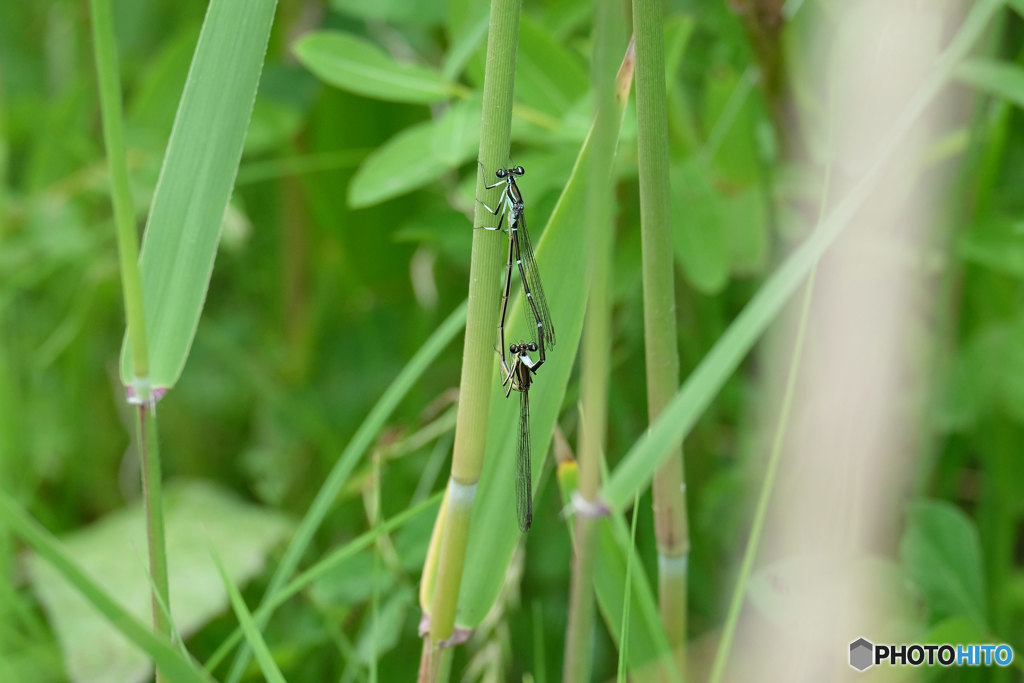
731 111
357 65
93 600
464 46
273 124
379 636
1009 373
957 396
252 632
112 553
418 155
746 230
996 243
549 76
698 230
1001 79
986 384
955 630
1017 6
393 11
647 640
942 555
659 441
195 183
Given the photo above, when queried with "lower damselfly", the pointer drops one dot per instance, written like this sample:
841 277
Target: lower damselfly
520 378
520 255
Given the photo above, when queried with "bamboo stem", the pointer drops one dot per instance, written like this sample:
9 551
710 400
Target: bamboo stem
660 336
596 344
475 388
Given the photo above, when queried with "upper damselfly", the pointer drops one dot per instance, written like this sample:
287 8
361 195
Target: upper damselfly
520 255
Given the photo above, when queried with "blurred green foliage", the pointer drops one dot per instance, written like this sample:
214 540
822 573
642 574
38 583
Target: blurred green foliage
346 245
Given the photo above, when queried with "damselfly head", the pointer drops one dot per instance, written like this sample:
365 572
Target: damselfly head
513 349
519 170
532 346
501 173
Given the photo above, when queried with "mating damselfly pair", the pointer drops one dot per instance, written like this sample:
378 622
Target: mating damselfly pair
520 367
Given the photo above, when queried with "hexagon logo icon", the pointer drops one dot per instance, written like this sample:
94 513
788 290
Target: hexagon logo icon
861 654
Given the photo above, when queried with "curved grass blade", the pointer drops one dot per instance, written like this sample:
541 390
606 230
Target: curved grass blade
252 633
321 568
196 179
359 444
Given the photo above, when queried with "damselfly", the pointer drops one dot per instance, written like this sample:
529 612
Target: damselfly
520 254
520 378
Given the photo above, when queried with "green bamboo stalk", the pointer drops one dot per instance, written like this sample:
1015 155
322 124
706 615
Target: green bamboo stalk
660 337
152 494
596 344
475 387
105 50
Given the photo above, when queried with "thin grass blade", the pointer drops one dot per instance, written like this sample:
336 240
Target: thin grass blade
252 633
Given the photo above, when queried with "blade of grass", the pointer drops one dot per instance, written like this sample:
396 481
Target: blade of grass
360 442
627 594
167 659
319 570
252 633
196 179
639 465
108 77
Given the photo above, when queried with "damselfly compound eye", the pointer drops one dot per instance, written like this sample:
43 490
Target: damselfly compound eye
531 347
501 173
519 170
